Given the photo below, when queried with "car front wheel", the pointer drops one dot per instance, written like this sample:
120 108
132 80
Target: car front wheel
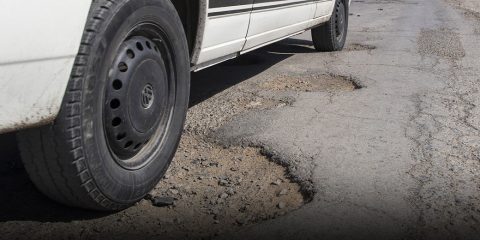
123 111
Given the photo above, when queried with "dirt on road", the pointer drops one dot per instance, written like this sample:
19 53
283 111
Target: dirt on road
210 188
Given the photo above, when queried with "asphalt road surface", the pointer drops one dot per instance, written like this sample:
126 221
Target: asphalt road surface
399 158
382 139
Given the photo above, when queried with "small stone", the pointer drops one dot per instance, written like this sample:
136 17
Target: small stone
148 197
230 191
283 192
281 105
174 191
162 201
281 205
223 195
254 104
233 169
277 182
223 182
216 222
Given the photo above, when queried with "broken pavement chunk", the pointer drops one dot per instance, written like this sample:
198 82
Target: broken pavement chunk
162 201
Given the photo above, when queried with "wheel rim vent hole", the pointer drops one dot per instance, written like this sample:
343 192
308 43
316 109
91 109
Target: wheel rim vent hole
117 84
123 67
128 144
139 46
116 121
137 146
130 54
121 136
149 46
115 103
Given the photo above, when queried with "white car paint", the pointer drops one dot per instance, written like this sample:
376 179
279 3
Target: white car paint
274 23
37 47
224 34
239 33
40 40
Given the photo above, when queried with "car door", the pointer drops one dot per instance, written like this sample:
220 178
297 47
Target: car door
226 28
275 19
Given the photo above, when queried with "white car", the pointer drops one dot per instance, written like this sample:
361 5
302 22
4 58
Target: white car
98 90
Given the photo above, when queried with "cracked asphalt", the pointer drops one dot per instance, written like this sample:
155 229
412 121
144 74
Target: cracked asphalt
382 139
397 159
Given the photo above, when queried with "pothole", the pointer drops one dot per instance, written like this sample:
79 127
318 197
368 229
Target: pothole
213 189
218 189
313 83
359 47
207 116
442 42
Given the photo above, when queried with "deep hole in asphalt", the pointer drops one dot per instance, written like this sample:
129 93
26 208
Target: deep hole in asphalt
313 82
216 189
359 47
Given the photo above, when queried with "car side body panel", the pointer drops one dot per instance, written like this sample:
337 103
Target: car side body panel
225 28
234 27
38 47
271 20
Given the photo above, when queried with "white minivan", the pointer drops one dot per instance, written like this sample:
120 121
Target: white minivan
98 89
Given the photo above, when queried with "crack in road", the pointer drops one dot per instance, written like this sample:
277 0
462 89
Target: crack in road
445 202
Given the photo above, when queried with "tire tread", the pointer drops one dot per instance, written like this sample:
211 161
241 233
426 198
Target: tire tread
323 36
59 169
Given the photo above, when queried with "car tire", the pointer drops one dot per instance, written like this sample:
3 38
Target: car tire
123 112
331 36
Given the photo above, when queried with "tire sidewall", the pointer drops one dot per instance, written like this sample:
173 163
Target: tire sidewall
118 184
339 44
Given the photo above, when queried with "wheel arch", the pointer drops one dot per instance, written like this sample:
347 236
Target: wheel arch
27 101
193 14
37 58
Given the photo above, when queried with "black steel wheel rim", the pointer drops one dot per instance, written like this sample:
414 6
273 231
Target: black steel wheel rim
340 20
139 96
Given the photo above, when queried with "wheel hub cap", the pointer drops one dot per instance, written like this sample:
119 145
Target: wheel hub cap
134 105
147 96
